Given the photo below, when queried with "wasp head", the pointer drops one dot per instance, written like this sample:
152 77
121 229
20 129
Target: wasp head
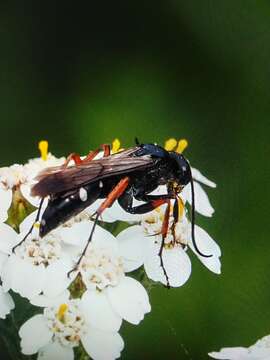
181 167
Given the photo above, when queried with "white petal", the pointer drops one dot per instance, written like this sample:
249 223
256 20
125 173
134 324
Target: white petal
44 301
116 212
197 175
129 299
207 246
131 245
236 353
55 351
8 239
98 311
101 345
202 203
176 263
34 334
26 224
261 349
3 259
104 239
6 303
106 216
77 234
5 202
26 191
15 273
56 277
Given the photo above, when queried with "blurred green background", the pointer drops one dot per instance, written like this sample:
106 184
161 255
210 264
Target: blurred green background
80 74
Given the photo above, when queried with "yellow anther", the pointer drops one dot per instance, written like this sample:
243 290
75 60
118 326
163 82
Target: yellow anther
61 311
182 144
37 225
170 144
43 148
116 145
181 207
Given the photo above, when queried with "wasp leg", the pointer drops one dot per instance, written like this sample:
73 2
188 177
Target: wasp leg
106 149
77 159
92 154
155 201
31 228
164 231
116 192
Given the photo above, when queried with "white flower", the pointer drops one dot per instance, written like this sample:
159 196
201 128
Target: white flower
59 329
202 203
33 167
23 177
140 245
43 262
259 351
110 293
10 178
6 303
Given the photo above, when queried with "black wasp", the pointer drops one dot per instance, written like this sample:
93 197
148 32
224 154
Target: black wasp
123 176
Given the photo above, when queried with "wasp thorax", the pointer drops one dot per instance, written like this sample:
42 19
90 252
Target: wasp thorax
100 268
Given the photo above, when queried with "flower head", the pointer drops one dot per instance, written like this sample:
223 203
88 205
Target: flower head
141 244
60 328
108 289
259 351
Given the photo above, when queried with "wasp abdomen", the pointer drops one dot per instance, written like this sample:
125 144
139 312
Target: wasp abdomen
63 207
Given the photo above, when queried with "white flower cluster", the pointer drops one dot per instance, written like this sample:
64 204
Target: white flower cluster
88 308
258 351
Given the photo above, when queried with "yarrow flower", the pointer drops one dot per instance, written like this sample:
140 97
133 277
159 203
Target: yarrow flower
83 287
258 351
6 303
140 245
59 329
108 290
45 262
20 178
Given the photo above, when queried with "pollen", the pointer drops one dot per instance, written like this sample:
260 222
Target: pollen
37 225
181 207
182 145
116 145
170 144
43 148
61 311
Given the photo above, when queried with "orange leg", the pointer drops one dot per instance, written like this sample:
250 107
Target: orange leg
106 149
92 154
164 231
113 195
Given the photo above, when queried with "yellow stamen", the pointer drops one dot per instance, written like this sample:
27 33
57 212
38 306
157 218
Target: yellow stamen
116 145
61 311
170 144
181 207
43 148
182 144
37 225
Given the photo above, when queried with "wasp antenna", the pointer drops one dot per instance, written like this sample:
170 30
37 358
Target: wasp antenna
193 219
137 141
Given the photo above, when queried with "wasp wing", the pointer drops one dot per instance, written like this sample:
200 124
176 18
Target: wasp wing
56 180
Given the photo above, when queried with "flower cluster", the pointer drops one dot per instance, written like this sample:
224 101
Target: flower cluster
258 351
87 308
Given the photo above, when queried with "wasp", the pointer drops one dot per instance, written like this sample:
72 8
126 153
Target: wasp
130 174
